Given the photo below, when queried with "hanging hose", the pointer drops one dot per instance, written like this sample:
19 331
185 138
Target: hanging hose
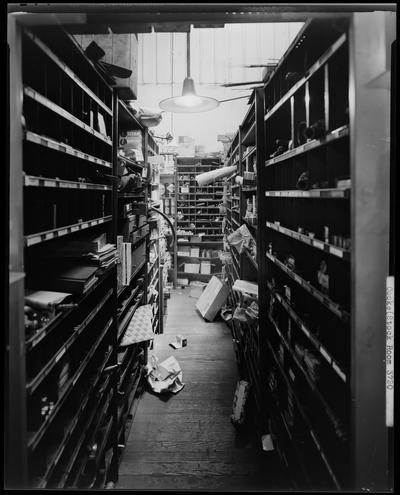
152 208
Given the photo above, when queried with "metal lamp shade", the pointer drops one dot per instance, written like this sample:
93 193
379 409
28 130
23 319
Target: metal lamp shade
189 102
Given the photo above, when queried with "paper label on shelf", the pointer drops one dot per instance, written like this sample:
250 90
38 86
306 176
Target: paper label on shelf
305 330
48 236
74 229
389 350
84 225
49 183
60 355
62 232
325 354
318 244
336 252
338 371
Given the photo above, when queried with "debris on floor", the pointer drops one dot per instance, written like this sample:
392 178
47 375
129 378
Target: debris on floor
267 443
166 376
179 342
239 403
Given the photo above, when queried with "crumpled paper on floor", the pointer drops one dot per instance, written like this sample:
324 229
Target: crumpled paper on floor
166 376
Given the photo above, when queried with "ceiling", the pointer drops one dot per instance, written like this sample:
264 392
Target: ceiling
102 18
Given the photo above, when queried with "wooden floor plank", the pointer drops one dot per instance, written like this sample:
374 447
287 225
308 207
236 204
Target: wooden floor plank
186 441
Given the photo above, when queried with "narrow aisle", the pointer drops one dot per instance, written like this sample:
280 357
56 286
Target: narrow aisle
187 441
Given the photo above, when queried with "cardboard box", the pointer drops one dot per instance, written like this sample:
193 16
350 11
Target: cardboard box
183 250
192 268
195 251
212 299
205 267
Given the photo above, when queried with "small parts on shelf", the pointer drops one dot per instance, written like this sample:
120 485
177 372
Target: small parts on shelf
315 131
303 182
281 147
323 277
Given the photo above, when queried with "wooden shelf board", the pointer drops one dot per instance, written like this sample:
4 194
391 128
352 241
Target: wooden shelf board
35 181
328 303
332 136
50 143
315 243
52 56
42 100
310 72
333 193
32 239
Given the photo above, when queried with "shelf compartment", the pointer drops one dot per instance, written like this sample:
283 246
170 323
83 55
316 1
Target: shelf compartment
317 345
249 153
68 433
339 133
309 73
31 93
334 193
125 322
32 239
35 382
305 419
323 246
328 303
128 302
47 142
74 457
35 438
250 137
251 258
330 414
34 181
45 49
35 339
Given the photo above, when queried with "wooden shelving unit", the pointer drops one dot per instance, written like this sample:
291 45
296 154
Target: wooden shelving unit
316 373
197 211
62 163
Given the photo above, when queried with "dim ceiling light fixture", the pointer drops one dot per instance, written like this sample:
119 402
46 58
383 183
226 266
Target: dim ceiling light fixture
190 102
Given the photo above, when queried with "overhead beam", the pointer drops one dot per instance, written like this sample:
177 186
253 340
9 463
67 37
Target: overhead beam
196 7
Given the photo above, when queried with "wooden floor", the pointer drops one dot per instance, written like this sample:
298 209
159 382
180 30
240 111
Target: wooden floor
187 442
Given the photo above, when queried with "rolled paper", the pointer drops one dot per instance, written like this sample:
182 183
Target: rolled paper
214 175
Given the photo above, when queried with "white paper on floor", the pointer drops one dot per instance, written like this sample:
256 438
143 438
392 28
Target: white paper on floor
166 376
267 442
179 342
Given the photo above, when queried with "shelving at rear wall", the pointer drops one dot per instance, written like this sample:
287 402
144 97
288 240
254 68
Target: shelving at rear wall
198 220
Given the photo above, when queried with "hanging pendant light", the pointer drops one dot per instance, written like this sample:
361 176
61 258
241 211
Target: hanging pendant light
189 102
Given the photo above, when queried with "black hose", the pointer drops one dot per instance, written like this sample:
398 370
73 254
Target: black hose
167 219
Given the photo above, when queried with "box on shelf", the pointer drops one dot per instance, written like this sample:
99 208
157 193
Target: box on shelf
195 238
192 268
205 267
182 281
212 298
195 252
184 251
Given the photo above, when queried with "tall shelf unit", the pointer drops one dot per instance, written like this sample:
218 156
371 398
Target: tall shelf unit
71 388
242 209
133 229
321 380
197 219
